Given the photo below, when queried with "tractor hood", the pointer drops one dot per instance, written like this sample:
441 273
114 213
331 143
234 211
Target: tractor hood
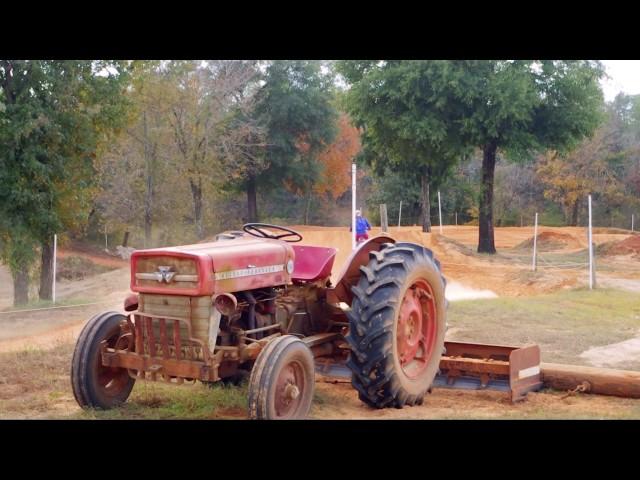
226 265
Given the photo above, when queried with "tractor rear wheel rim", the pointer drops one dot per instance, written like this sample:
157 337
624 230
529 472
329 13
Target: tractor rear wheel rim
111 380
290 388
416 328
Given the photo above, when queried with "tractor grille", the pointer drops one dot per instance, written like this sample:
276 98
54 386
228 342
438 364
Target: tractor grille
184 273
169 327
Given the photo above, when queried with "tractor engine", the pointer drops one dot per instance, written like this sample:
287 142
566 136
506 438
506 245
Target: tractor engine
293 309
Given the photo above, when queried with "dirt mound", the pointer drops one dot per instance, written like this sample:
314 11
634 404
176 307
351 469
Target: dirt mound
630 245
548 241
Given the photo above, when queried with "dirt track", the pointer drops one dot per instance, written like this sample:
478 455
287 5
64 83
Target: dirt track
484 274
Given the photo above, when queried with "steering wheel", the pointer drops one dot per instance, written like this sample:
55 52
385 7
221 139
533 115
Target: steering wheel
255 230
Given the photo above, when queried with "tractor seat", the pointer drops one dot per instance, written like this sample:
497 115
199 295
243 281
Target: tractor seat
312 263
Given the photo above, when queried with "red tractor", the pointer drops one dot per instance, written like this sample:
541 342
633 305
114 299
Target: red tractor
251 304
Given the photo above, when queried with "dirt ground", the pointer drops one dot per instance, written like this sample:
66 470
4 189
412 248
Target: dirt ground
340 401
507 274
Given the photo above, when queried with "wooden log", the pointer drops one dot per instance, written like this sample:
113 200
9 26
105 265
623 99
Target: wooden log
602 381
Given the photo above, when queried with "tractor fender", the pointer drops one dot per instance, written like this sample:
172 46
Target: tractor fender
350 273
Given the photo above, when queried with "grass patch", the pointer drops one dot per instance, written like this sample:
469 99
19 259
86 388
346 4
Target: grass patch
564 324
35 383
150 401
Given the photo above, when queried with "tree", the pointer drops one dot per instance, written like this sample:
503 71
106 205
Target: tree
334 177
520 107
55 115
293 107
407 111
136 162
208 117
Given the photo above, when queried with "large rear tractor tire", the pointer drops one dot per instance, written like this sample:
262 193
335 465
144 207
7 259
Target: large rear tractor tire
94 385
282 381
397 325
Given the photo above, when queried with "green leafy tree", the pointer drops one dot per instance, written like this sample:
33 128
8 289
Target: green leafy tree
294 110
409 114
56 115
519 107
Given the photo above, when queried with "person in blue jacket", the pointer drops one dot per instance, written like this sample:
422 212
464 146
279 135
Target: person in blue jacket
362 225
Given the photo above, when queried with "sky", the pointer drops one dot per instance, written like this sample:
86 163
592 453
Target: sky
625 77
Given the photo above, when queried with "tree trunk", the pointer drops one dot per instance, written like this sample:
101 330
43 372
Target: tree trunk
486 243
148 212
20 287
307 209
196 192
574 213
252 204
46 271
425 204
149 161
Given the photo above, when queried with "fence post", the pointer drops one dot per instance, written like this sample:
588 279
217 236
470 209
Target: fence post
384 223
353 206
55 250
535 243
632 222
592 273
456 218
440 212
400 214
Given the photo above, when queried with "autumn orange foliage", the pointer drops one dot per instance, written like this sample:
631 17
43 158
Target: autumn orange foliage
335 178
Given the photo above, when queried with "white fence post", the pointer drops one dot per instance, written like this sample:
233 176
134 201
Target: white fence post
591 269
632 222
353 206
535 243
55 251
400 214
440 212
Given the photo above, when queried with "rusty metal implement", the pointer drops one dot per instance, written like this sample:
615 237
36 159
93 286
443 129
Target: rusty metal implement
475 366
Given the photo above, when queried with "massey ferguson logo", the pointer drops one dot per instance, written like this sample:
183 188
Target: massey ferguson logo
164 274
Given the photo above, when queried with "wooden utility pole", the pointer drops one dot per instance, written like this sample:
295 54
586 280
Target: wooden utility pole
384 223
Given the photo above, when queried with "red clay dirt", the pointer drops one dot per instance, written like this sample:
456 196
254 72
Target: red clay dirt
550 240
630 245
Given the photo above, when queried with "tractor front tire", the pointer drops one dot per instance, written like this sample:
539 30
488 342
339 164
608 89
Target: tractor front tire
282 381
94 385
397 325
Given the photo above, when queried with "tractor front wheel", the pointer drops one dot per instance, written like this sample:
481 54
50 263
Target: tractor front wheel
94 385
282 381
